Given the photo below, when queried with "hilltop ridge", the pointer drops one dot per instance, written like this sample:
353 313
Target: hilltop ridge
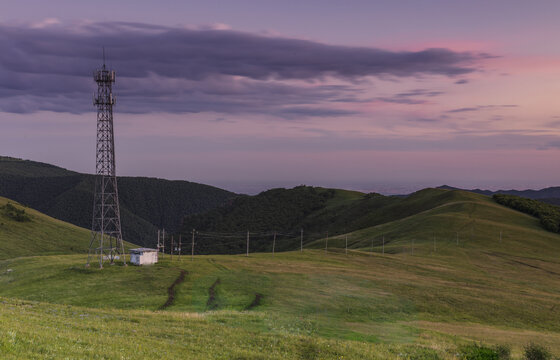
146 203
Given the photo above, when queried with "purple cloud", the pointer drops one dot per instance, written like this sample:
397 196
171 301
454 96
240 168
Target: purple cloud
184 70
480 107
416 96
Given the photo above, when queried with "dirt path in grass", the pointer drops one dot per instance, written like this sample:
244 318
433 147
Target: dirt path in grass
171 290
211 303
515 261
256 302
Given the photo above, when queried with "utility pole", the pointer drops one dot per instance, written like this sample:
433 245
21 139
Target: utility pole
273 243
247 243
179 247
192 246
346 248
327 243
158 245
301 241
163 243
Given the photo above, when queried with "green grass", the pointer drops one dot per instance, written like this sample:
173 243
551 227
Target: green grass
41 235
317 305
31 330
391 299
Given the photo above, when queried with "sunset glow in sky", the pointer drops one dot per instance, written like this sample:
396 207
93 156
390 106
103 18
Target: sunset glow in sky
247 95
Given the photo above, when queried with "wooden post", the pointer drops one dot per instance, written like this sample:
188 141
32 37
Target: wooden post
273 243
192 246
171 251
412 249
434 242
500 236
247 243
327 243
383 245
301 241
457 238
346 248
371 253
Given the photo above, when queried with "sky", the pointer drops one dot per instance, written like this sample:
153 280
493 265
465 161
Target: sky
388 96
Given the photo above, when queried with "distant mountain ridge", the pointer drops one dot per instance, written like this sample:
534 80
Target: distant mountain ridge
146 203
549 195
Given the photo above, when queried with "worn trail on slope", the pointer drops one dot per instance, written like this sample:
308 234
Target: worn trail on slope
211 303
171 290
256 302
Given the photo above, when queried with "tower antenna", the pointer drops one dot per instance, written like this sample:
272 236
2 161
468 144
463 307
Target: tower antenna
106 235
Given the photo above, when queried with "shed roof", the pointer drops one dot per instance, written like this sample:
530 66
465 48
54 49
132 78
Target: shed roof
142 250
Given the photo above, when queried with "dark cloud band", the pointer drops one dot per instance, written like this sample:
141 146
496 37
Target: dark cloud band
186 70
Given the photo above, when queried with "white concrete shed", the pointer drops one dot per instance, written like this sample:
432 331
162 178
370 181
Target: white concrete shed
143 256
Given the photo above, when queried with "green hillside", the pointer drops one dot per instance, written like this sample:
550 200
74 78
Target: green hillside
27 232
452 217
146 203
409 298
36 233
319 211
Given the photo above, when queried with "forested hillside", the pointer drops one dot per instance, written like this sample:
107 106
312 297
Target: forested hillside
315 210
549 215
146 203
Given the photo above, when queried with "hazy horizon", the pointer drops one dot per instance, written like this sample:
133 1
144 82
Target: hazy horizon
388 187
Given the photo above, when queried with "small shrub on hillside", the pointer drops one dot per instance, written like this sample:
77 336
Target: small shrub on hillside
550 223
479 352
537 352
17 214
503 351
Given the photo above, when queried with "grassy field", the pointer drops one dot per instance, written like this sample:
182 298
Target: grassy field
41 235
379 299
404 304
30 330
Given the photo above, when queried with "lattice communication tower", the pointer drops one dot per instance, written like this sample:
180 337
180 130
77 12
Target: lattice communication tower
106 237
